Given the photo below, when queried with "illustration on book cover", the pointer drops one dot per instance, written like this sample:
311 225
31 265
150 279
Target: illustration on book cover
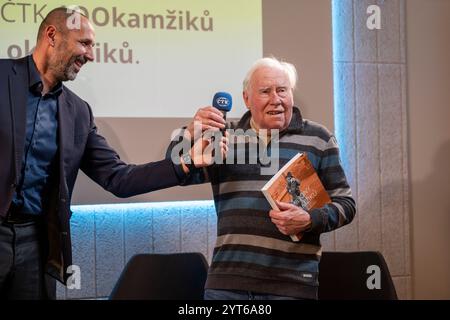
293 188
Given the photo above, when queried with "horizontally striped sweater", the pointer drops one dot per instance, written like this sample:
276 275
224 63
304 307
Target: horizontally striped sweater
251 254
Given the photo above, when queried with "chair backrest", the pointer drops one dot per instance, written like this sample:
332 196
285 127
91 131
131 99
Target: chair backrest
178 276
344 275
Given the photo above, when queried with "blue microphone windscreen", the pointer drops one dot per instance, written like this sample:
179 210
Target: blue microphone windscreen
222 101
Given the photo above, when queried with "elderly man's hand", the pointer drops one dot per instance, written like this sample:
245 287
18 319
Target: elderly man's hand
290 220
207 118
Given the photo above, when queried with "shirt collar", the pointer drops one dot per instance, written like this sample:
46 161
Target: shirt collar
34 77
34 80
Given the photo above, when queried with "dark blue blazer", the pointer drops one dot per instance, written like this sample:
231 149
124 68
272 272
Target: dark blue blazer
80 147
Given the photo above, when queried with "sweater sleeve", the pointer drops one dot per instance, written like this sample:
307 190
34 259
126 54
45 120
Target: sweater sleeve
342 208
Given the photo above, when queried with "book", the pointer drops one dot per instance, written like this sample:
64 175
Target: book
296 182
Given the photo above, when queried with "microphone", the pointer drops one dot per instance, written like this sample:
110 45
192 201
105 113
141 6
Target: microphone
223 101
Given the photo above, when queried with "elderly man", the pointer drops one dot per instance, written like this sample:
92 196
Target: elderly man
47 133
254 256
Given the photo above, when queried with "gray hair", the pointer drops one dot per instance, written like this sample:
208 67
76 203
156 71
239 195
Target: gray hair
272 62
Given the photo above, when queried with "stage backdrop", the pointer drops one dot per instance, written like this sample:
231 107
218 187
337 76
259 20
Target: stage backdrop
152 58
167 64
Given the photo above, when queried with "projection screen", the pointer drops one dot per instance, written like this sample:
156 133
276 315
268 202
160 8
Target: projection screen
156 59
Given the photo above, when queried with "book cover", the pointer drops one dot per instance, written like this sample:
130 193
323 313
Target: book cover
296 182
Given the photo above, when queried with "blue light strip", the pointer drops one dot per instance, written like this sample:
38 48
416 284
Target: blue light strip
341 120
145 206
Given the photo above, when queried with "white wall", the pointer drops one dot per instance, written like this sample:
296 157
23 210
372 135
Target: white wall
371 122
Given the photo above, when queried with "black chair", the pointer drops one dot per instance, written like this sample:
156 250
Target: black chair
343 276
178 276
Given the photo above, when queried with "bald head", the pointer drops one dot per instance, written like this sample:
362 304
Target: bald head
65 43
58 18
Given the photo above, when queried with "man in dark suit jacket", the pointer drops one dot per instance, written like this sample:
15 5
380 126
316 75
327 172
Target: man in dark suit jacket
47 133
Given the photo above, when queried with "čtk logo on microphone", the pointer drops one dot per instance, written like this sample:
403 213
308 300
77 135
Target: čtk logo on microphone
223 102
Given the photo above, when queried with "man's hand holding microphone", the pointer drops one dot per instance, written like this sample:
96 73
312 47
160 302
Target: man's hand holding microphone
202 131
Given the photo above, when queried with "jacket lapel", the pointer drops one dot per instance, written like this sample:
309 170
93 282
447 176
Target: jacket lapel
18 92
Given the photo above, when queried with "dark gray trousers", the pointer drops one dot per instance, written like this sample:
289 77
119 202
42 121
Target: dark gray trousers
22 262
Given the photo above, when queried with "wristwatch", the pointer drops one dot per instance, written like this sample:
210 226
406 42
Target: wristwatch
188 161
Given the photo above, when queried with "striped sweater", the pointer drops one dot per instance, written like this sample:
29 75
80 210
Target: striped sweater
251 254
